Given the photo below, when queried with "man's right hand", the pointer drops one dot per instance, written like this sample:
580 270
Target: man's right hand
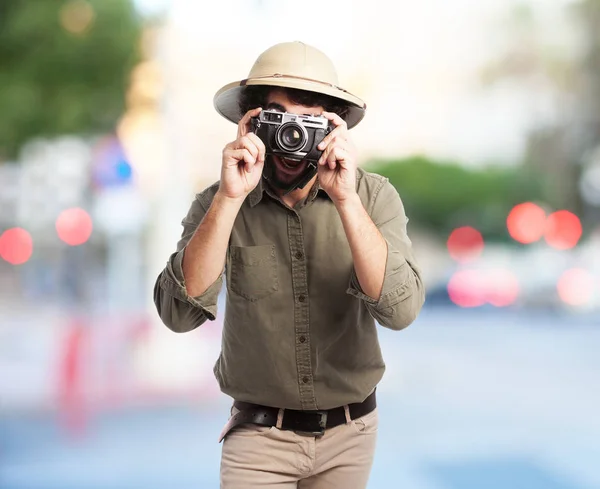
243 161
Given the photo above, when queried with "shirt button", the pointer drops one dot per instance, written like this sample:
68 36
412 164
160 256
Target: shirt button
301 297
302 339
299 255
305 380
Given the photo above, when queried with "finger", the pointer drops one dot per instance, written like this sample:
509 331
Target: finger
235 156
258 166
333 117
323 158
340 132
259 144
331 147
249 160
337 156
243 155
248 143
331 140
332 158
244 124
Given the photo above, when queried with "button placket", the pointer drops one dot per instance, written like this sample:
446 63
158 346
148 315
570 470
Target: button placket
301 312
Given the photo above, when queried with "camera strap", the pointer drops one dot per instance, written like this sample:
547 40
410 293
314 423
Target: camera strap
304 178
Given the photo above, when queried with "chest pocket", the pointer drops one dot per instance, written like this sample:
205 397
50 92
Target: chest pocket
253 271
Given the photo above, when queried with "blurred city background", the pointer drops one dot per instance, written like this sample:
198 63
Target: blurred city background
486 117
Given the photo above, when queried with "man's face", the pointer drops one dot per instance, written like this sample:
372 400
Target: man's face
286 171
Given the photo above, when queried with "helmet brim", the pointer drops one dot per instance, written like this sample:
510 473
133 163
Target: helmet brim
226 100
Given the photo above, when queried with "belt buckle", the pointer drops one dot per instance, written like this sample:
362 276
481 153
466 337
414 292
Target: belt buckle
322 422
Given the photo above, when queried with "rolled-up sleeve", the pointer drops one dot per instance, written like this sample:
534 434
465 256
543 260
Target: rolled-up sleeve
403 293
177 309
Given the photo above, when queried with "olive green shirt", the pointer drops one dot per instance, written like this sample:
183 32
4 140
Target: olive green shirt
298 331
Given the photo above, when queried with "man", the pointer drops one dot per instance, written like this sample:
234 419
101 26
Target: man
313 254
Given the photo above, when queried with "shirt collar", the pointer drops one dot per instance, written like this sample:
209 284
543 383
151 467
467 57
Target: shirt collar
256 194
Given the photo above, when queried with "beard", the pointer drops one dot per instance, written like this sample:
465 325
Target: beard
284 173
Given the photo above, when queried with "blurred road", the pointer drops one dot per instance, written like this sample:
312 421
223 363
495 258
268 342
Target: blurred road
470 400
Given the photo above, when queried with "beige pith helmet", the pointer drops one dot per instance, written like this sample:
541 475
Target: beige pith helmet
292 65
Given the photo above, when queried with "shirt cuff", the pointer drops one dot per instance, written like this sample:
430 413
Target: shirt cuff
173 282
396 282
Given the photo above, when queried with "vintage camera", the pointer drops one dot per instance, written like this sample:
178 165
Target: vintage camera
291 135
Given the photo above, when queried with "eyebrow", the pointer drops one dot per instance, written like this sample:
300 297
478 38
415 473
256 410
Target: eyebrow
281 108
276 106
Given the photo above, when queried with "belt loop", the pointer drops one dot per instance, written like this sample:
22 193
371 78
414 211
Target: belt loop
347 413
279 419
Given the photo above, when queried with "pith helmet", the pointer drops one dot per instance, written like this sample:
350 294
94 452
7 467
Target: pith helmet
292 65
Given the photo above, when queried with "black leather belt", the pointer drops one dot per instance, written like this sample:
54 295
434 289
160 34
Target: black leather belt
312 423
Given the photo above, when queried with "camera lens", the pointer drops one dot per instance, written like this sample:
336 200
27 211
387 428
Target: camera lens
291 137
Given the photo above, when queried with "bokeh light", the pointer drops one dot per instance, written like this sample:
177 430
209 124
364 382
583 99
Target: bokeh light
16 246
465 244
526 222
77 16
74 226
502 287
474 288
576 286
111 167
466 288
563 230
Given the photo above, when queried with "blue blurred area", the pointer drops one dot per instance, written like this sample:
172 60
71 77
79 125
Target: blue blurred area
498 474
470 400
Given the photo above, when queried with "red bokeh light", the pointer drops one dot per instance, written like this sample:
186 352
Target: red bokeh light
465 244
16 246
563 230
474 288
576 286
526 222
74 226
466 288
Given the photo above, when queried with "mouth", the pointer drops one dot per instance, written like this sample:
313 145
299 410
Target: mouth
290 166
291 163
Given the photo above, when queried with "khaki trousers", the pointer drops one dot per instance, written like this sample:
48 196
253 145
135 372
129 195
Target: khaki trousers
257 457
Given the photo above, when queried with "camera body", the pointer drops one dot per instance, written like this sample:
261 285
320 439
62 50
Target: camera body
291 135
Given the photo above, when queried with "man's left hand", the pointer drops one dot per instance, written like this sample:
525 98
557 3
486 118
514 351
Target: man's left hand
337 165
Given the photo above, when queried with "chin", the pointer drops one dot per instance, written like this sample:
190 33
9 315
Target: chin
283 180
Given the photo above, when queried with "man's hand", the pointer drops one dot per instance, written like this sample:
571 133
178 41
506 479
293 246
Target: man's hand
337 165
243 161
